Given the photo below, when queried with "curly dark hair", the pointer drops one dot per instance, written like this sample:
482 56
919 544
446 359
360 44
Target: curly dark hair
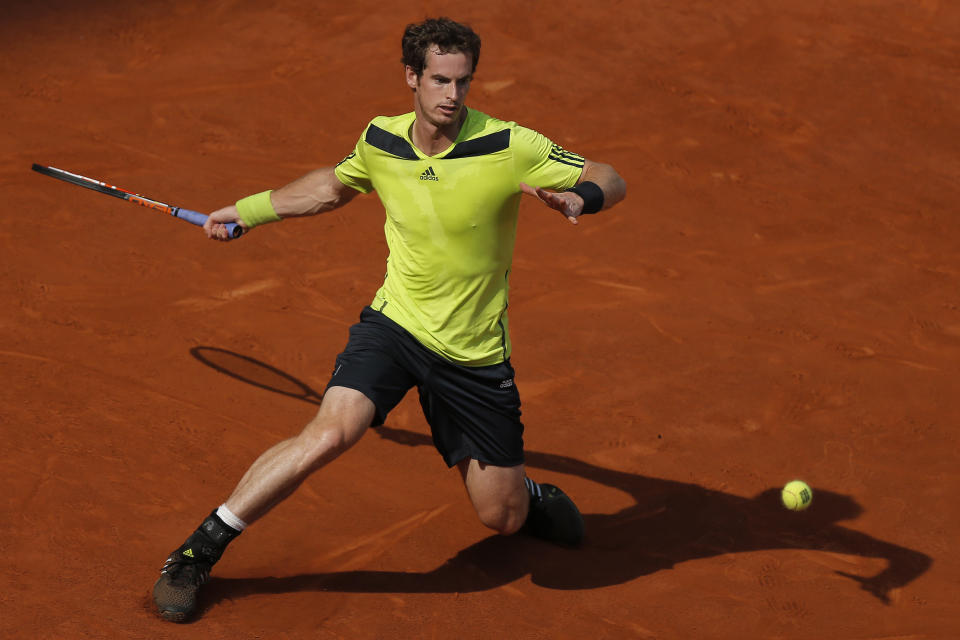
444 33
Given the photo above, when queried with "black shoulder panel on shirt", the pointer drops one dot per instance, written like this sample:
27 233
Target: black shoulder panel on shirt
481 146
390 143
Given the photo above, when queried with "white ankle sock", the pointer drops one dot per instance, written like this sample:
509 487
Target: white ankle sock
230 519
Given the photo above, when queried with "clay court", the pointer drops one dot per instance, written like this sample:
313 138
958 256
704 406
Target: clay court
777 298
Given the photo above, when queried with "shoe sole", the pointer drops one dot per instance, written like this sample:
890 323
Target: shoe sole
173 616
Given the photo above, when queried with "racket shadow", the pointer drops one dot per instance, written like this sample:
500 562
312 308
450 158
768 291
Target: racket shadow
256 373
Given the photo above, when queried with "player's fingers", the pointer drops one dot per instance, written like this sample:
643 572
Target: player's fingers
556 201
565 205
553 200
547 196
215 226
527 189
216 231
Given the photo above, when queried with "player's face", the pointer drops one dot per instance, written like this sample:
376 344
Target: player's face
439 92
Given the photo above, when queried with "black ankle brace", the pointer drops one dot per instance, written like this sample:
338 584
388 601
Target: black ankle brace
219 532
209 541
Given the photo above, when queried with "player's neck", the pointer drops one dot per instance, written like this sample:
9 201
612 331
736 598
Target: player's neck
431 138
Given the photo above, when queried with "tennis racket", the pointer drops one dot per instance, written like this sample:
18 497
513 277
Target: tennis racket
193 217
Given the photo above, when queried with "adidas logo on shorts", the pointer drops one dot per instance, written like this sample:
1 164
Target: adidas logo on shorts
506 384
429 175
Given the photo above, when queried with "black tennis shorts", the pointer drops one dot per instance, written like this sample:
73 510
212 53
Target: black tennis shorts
473 412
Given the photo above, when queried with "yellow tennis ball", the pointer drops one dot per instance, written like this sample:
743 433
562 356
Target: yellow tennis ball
796 495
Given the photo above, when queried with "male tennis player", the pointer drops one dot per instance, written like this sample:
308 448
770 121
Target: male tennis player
450 179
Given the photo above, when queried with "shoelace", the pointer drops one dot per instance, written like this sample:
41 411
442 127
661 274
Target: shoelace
180 572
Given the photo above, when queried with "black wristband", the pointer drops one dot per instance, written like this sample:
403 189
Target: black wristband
592 196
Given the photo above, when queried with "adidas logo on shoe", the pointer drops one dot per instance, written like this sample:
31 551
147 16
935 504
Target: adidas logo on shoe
429 175
175 593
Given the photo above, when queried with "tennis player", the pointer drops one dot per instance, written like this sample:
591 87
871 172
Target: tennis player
450 179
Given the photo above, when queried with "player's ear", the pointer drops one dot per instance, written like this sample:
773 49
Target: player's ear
412 78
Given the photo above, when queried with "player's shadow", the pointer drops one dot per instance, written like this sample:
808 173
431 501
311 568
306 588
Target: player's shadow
668 523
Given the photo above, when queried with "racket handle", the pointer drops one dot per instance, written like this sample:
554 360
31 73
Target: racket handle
194 217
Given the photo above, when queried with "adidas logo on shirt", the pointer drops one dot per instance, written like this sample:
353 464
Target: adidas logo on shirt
429 175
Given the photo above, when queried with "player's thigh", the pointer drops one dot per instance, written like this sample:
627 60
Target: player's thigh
373 364
474 413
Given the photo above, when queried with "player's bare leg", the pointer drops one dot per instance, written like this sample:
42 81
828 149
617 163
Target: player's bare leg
498 494
507 501
343 418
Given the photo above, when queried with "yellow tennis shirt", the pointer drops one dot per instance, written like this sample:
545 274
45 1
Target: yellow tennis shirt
451 225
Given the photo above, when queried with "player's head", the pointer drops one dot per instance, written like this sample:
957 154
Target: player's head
439 57
442 34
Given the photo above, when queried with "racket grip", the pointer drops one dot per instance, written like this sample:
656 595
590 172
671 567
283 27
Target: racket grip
197 218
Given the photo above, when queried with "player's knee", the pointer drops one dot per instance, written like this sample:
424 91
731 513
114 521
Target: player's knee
320 446
503 518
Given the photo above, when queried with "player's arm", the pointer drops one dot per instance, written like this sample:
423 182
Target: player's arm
599 187
606 177
317 192
904 565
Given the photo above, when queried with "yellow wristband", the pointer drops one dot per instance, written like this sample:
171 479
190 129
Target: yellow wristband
256 210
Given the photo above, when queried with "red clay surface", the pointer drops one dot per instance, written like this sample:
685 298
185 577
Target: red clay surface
778 297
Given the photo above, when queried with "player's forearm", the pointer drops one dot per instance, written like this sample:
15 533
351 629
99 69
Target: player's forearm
314 193
606 177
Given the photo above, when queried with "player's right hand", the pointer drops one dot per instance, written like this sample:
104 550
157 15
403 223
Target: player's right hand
214 226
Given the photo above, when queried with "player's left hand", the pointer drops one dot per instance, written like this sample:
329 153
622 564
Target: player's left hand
566 202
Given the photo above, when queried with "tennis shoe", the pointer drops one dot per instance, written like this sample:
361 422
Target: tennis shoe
187 568
554 517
